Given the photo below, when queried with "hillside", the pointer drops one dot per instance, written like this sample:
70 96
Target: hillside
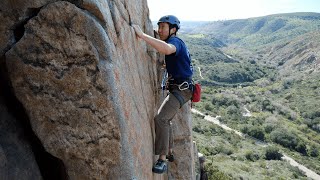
297 54
217 67
269 65
254 32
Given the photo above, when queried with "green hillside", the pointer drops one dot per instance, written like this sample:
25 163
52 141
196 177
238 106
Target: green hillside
217 67
271 66
254 32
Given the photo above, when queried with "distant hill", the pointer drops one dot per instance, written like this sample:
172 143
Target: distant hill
254 32
298 54
186 26
288 42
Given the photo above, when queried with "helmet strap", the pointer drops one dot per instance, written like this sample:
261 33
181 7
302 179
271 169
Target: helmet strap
171 27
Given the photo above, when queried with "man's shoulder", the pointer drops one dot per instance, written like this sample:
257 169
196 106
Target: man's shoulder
175 38
176 41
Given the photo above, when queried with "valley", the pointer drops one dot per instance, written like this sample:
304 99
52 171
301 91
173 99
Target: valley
268 66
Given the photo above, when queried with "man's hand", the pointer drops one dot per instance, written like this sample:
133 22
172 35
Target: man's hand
138 31
158 44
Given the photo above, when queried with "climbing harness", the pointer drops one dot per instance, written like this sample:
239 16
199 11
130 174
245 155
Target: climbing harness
179 85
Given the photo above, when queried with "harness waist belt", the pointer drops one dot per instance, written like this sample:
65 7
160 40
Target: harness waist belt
180 80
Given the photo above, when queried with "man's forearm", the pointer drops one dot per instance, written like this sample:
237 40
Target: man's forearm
159 45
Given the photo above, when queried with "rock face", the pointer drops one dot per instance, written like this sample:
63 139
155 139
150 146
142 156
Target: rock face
15 152
89 86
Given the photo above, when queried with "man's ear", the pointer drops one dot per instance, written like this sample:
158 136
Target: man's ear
174 30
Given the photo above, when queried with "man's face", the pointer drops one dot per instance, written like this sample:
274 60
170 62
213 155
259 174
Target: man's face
163 30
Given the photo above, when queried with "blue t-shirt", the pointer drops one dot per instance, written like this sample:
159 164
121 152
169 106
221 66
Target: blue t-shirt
178 64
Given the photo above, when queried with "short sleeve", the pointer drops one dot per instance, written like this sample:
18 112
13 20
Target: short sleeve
175 41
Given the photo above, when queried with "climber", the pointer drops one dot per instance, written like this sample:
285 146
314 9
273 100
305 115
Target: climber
179 68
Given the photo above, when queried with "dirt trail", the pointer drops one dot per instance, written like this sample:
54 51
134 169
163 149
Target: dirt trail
309 173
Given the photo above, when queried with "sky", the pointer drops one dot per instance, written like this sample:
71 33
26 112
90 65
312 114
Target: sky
213 10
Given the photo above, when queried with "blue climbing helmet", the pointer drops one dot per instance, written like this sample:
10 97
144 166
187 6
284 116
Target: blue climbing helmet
172 20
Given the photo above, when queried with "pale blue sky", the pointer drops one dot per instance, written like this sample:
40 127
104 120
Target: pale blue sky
212 10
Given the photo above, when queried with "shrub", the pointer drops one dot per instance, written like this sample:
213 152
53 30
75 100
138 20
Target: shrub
207 150
289 140
311 113
272 153
287 83
251 156
234 113
245 129
257 132
301 147
314 152
208 107
215 173
267 106
284 138
314 123
197 128
224 150
225 100
268 128
258 120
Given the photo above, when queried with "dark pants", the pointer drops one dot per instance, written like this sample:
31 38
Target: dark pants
166 112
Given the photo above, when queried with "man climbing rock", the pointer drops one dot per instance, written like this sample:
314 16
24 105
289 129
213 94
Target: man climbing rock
179 68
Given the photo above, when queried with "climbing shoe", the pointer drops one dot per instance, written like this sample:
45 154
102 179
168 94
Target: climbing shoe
170 157
159 167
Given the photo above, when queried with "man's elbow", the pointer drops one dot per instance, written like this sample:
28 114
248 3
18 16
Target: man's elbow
165 51
169 51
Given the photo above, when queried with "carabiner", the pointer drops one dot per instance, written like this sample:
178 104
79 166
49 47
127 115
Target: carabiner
182 84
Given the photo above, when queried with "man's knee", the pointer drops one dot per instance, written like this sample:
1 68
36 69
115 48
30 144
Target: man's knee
158 119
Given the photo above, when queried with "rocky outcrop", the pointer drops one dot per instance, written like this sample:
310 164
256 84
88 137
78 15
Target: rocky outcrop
90 88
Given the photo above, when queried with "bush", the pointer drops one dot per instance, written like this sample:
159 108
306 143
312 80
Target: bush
208 107
314 152
197 128
254 131
234 113
301 148
289 140
257 132
251 156
215 173
284 138
272 153
258 120
267 106
268 128
311 113
223 150
313 123
225 100
207 150
245 129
